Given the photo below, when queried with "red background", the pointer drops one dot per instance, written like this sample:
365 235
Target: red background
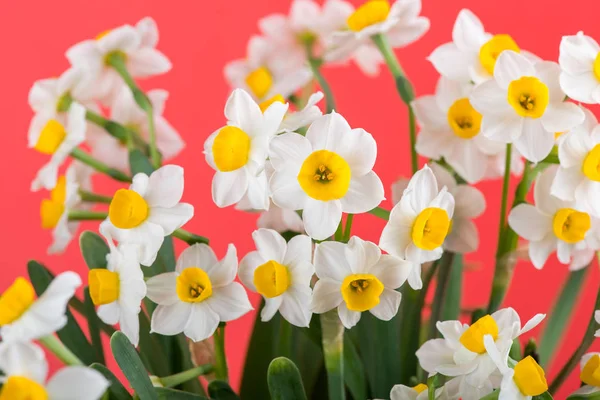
200 37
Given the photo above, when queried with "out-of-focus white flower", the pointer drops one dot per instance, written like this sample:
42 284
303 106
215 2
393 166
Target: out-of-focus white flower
25 371
280 220
450 128
554 224
56 135
23 318
472 54
597 318
580 68
418 392
301 118
459 388
590 372
494 169
462 352
281 272
126 112
356 277
198 295
118 290
148 211
138 46
524 105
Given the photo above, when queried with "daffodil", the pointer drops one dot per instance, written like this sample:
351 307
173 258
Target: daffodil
238 151
472 53
554 225
462 351
281 272
524 105
325 173
580 68
417 392
198 295
25 318
25 371
118 290
354 278
148 211
525 380
451 128
56 135
280 220
590 374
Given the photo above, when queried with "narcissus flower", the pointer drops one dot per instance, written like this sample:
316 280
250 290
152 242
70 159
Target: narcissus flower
238 151
554 224
579 61
524 105
56 135
356 277
25 318
525 380
281 272
419 223
472 54
25 371
119 289
325 173
148 211
590 373
418 392
295 120
450 128
280 220
198 295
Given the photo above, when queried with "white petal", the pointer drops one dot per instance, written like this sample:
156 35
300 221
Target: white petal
532 323
321 218
414 277
148 62
580 87
450 330
489 98
365 193
433 144
270 308
203 322
23 359
467 158
573 148
359 150
450 62
289 149
161 289
566 182
130 326
423 189
392 271
173 218
165 187
469 201
198 255
223 272
171 319
505 128
270 244
562 116
548 72
299 250
468 30
535 143
328 132
109 313
577 54
229 187
361 255
417 255
248 265
434 353
326 296
286 191
511 66
529 223
464 237
389 301
77 383
242 111
230 302
348 318
428 112
540 251
295 307
330 261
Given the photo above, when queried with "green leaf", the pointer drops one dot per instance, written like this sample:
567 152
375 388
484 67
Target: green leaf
492 396
354 371
152 348
132 367
116 389
93 249
559 318
451 308
139 163
93 325
284 380
515 351
220 390
181 361
172 394
586 393
543 396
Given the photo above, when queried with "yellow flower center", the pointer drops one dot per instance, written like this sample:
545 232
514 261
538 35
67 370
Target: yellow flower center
21 388
259 81
267 103
15 301
464 120
361 291
430 228
591 164
53 208
231 149
528 96
271 279
530 377
104 286
597 67
590 374
193 285
325 176
472 338
421 387
52 135
489 52
127 209
370 13
571 225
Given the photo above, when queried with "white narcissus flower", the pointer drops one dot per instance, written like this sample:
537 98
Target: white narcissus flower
462 352
525 105
590 372
126 112
198 295
555 225
526 380
238 151
281 272
580 68
325 173
450 128
25 371
472 54
148 211
23 318
356 277
280 220
293 121
419 223
136 44
56 135
118 290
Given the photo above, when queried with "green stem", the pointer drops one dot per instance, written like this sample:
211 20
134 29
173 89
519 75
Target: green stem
182 377
315 66
85 215
94 197
333 351
348 228
115 129
420 305
504 204
189 237
380 213
439 299
221 370
57 348
285 338
339 232
99 166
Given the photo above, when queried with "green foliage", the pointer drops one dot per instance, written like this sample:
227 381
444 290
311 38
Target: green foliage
220 390
93 249
172 394
284 380
132 367
116 390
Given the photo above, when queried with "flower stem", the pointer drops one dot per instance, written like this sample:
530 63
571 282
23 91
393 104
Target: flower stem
189 237
285 338
99 166
420 305
504 204
315 66
115 129
57 348
405 90
182 377
439 299
348 228
221 371
333 350
94 197
85 215
380 213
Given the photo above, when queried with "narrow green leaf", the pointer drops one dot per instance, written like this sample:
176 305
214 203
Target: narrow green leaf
116 389
586 393
284 380
152 349
543 396
93 326
93 249
181 361
139 163
515 351
354 371
132 367
220 390
451 308
172 394
492 396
